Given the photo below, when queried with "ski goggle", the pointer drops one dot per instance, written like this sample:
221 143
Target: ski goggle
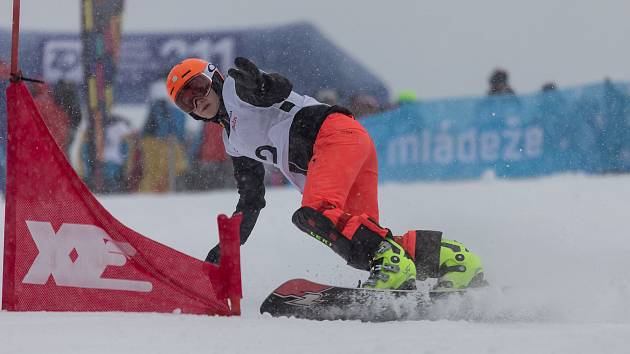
196 88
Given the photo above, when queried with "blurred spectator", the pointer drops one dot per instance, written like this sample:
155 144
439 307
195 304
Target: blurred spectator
603 138
560 128
586 110
364 105
162 143
499 83
327 96
66 96
132 170
115 153
54 116
406 96
274 177
549 86
211 167
615 128
499 111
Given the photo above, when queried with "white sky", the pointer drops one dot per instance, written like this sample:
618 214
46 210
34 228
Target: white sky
437 48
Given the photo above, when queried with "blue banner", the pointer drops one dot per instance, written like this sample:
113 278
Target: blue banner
298 51
143 58
582 129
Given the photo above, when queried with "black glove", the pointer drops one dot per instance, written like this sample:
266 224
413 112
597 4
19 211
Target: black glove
214 255
247 75
247 225
258 88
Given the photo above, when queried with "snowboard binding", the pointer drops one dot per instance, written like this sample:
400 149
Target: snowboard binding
459 267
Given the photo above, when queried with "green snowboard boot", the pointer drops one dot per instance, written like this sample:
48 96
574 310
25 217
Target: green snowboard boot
391 268
459 268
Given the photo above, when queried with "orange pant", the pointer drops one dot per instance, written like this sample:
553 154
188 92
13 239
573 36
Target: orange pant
342 178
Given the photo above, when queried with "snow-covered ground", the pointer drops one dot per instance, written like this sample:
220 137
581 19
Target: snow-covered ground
559 244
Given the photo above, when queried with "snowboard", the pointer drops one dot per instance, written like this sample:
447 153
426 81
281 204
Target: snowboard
305 299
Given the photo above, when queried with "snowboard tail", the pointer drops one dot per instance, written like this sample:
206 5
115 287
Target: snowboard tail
302 298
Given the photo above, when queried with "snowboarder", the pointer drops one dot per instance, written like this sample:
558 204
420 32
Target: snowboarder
324 152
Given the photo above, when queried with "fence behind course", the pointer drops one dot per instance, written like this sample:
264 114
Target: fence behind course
583 129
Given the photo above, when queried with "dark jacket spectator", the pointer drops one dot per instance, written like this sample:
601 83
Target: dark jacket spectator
163 143
66 96
560 129
54 116
211 168
499 83
549 86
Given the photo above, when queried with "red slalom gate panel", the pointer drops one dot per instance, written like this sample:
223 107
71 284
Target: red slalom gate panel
63 251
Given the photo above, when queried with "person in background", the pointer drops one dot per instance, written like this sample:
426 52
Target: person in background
117 130
499 83
54 116
274 177
549 86
327 96
615 127
66 95
406 97
163 143
364 105
211 167
559 129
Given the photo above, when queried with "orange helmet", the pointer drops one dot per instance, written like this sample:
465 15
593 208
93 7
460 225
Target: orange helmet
190 79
